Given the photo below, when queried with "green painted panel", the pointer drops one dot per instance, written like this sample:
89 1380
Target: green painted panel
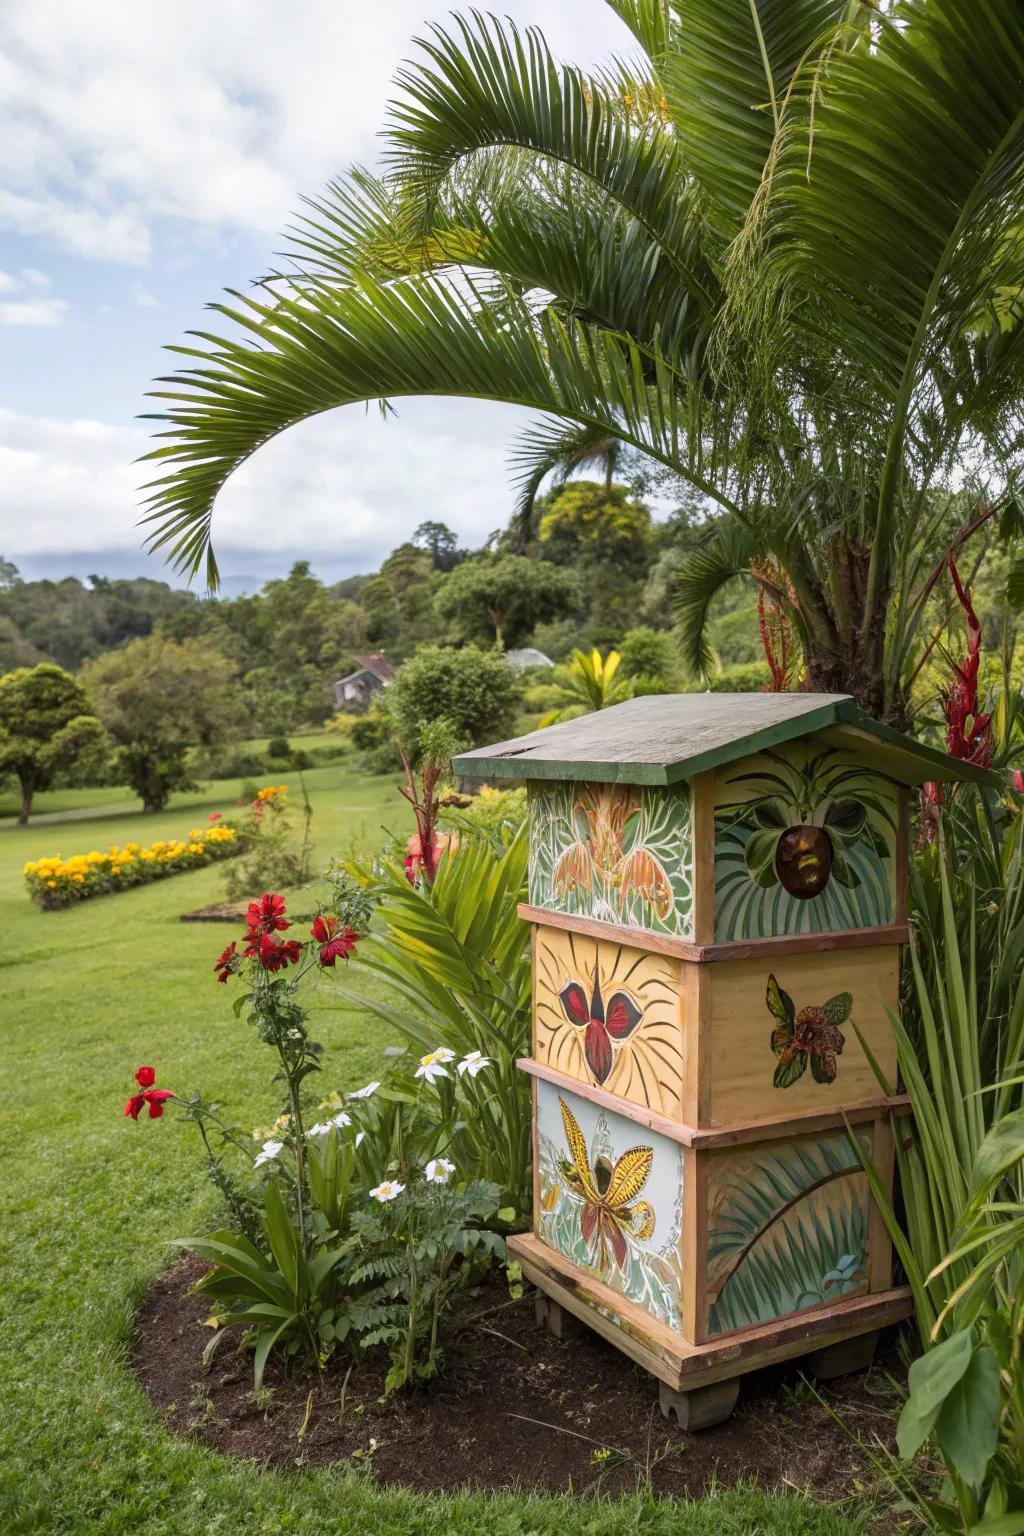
614 852
805 842
787 1229
611 1199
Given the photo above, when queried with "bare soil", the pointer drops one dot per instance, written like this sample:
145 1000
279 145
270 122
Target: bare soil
515 1408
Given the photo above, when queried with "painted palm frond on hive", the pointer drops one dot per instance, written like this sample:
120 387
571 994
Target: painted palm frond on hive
610 1203
805 841
609 1015
787 1230
613 852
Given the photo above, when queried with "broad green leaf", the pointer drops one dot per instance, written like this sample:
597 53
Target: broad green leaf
967 1426
930 1382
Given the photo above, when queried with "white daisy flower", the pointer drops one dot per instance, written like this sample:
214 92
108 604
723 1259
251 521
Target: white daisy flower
474 1063
439 1170
432 1065
270 1151
389 1189
364 1093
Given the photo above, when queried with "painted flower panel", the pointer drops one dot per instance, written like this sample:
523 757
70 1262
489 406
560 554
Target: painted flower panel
611 1199
805 842
616 852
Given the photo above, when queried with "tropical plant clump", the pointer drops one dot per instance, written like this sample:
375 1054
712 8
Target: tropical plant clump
350 1227
57 882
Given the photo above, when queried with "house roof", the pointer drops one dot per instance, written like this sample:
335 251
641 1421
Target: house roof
374 662
663 738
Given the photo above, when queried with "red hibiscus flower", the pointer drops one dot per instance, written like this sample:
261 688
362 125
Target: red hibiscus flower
156 1098
274 956
266 916
333 944
222 965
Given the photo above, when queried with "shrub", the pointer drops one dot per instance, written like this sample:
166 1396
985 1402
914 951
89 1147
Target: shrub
55 882
272 853
476 690
279 747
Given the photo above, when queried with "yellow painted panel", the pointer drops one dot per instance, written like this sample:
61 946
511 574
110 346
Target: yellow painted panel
611 1016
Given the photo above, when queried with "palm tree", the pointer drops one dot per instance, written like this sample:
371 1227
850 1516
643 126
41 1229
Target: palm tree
781 254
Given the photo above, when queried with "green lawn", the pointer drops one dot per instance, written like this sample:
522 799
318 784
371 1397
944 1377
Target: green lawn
88 1199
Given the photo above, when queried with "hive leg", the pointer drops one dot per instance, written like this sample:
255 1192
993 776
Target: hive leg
558 1322
701 1407
840 1359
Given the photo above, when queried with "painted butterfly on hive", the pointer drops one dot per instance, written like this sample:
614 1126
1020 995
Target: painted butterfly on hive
605 1026
810 1036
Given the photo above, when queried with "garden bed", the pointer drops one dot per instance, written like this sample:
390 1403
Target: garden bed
516 1408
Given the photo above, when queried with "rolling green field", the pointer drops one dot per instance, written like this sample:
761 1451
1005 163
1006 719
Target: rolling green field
88 1200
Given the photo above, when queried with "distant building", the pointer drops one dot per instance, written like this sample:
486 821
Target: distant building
355 691
528 657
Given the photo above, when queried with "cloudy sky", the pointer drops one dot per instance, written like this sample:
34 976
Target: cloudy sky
150 155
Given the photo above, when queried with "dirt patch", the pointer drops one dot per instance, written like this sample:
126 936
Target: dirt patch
515 1408
230 912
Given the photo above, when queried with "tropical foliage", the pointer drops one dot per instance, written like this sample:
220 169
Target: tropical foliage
453 962
587 683
778 255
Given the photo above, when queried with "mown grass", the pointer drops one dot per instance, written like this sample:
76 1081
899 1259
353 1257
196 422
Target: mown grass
88 1200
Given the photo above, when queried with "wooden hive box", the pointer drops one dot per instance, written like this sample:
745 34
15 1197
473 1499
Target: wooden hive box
717 892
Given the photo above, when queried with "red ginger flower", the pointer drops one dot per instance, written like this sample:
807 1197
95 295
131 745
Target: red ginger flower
969 736
156 1098
266 916
274 956
333 943
222 965
1018 781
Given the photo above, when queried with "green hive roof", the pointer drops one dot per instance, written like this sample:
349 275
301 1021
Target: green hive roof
662 738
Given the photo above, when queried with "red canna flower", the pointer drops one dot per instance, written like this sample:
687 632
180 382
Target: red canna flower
222 965
156 1098
266 916
274 956
332 943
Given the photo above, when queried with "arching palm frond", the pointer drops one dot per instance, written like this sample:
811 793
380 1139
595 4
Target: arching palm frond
702 574
419 336
493 86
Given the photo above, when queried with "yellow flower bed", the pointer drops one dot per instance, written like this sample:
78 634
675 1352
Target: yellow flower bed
56 882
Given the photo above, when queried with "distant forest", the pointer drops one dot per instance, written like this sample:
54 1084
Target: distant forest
591 568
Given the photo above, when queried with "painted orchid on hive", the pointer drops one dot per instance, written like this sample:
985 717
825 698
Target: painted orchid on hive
811 1036
611 1211
613 851
603 1027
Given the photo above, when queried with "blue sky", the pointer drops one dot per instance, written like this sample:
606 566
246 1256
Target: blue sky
150 154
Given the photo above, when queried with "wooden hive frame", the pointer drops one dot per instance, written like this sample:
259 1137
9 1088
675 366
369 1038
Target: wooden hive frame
692 988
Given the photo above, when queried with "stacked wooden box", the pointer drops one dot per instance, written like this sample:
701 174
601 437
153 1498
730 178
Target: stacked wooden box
717 893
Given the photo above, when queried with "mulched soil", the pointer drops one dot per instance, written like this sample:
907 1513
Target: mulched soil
514 1409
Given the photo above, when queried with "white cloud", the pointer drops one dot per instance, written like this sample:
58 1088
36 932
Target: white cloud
32 311
121 112
31 308
342 489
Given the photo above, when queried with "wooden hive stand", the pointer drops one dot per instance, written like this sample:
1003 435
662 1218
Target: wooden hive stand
717 893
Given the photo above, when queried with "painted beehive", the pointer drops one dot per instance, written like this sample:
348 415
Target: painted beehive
717 888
